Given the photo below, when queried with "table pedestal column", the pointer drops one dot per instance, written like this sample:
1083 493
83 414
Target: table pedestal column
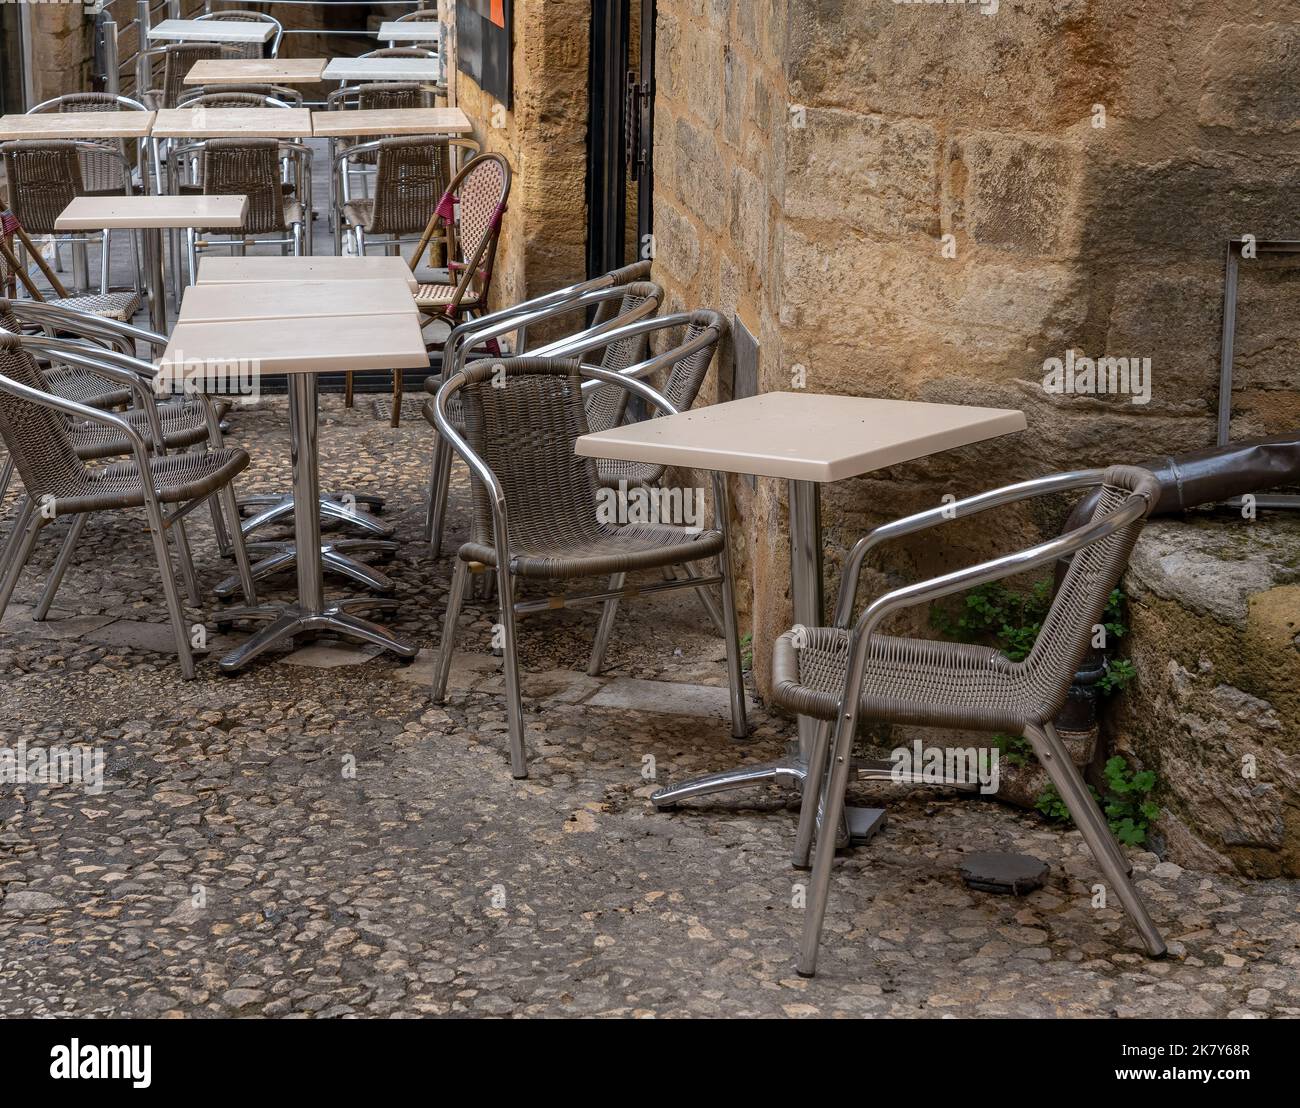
312 613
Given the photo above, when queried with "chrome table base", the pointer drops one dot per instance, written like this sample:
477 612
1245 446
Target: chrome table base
335 509
312 614
335 558
806 593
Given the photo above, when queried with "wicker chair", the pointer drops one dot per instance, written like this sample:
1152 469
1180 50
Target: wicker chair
272 96
176 59
537 517
848 673
270 49
635 302
411 176
252 167
44 178
34 426
13 270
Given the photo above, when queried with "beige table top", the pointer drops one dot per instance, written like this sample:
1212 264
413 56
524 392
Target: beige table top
384 69
410 30
210 30
241 71
297 345
73 125
232 123
214 303
215 269
802 436
391 121
91 213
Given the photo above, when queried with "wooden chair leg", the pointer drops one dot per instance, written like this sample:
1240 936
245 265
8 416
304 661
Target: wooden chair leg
395 419
347 390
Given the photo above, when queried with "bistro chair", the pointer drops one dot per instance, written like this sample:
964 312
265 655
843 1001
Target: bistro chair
470 213
848 673
175 60
636 301
44 178
13 271
34 424
269 49
252 167
537 517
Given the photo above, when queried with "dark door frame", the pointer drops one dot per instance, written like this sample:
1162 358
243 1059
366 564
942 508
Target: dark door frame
620 133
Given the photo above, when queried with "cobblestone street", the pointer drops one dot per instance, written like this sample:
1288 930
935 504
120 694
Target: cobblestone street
312 837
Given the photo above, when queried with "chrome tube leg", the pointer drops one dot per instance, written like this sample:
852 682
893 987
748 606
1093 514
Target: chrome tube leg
80 265
186 555
105 246
60 567
824 858
441 494
23 551
242 564
810 805
157 290
735 674
21 519
175 612
429 503
1092 825
1093 814
216 504
455 598
306 490
6 475
606 626
805 574
707 602
514 699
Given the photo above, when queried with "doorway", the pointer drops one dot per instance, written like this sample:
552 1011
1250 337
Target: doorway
620 134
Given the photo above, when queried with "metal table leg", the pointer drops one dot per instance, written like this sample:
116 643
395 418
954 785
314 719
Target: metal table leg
274 557
153 267
311 613
806 594
275 509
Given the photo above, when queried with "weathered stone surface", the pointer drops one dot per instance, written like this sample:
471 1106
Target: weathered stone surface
1215 614
1250 79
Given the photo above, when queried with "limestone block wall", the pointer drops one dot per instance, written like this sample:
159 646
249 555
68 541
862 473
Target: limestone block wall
544 136
925 201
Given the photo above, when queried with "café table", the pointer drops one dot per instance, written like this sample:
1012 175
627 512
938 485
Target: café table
300 348
220 303
390 121
152 214
210 30
807 440
244 71
267 268
409 30
384 69
205 123
77 125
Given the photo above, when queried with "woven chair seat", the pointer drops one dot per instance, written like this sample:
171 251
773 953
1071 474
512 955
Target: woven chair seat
85 388
908 681
293 213
183 424
612 471
432 296
603 551
121 306
179 478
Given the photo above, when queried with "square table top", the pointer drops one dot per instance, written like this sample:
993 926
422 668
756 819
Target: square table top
93 213
210 30
296 345
204 122
214 269
243 71
218 303
410 30
384 69
74 125
391 121
802 436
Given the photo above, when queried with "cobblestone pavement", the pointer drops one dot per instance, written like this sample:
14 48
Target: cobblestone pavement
314 838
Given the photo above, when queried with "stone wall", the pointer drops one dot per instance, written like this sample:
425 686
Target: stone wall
1214 605
926 202
544 135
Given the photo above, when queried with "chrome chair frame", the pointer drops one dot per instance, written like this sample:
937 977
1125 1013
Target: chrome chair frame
617 590
824 789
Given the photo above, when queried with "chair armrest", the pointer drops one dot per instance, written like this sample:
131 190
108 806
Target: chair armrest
933 517
1133 508
82 411
631 384
52 315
